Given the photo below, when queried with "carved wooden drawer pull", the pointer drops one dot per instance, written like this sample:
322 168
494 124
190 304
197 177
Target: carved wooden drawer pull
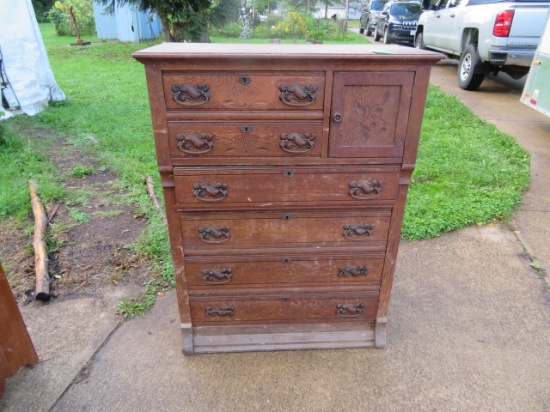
219 311
216 276
188 95
297 143
349 310
211 234
352 271
194 143
208 192
365 189
296 95
357 231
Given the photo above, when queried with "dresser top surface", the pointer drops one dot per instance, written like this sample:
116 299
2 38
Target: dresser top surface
176 51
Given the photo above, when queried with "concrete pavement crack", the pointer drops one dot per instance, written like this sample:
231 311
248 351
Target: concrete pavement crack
84 371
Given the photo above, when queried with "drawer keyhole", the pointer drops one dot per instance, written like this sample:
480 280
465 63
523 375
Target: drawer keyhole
244 80
286 260
246 129
285 299
288 173
287 217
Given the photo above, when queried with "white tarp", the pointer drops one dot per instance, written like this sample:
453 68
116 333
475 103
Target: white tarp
24 57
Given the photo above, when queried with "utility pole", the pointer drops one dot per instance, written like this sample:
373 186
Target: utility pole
346 16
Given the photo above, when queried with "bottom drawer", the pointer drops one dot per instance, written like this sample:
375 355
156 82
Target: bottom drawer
285 308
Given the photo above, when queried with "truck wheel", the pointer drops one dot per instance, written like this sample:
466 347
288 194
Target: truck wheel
387 37
470 69
369 32
419 42
376 35
361 30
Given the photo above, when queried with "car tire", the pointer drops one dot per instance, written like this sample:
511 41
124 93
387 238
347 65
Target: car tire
376 35
419 41
361 30
470 69
387 39
369 32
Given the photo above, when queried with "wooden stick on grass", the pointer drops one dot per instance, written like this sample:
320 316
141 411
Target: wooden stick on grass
154 199
40 255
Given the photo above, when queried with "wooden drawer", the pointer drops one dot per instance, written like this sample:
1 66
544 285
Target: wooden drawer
232 272
256 90
245 139
259 230
285 308
269 187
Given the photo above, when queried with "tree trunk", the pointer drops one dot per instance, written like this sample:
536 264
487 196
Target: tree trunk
165 25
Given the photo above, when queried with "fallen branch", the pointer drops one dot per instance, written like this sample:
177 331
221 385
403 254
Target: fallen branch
52 212
154 199
40 255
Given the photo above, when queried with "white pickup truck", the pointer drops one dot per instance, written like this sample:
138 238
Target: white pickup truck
486 35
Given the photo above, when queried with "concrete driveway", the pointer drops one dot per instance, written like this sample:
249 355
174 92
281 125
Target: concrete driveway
469 328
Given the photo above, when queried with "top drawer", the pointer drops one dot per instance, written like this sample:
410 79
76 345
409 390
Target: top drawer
244 90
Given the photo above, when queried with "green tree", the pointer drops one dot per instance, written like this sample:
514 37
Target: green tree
328 3
225 11
299 5
181 17
41 7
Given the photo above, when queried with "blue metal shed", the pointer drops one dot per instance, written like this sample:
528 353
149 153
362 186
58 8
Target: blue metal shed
127 24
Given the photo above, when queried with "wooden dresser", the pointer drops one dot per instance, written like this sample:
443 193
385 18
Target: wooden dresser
285 171
16 348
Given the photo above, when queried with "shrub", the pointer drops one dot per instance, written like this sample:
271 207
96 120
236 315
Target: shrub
231 30
83 11
321 29
292 26
60 21
263 31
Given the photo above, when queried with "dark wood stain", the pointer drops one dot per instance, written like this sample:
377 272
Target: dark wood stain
16 348
285 173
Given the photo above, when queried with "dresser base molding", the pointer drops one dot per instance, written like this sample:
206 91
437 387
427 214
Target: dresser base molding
220 339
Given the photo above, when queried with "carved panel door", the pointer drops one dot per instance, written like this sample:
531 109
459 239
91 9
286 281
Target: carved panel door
370 113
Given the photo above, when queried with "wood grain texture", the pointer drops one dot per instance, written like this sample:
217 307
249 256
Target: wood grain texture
374 110
285 308
276 187
262 92
245 139
282 240
283 229
16 348
230 338
259 271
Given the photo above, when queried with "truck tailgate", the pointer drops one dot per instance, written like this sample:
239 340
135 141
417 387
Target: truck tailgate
528 23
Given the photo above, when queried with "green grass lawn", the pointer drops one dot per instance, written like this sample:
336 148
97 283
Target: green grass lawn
468 172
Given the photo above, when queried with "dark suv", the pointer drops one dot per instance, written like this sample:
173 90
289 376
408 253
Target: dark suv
397 22
370 15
